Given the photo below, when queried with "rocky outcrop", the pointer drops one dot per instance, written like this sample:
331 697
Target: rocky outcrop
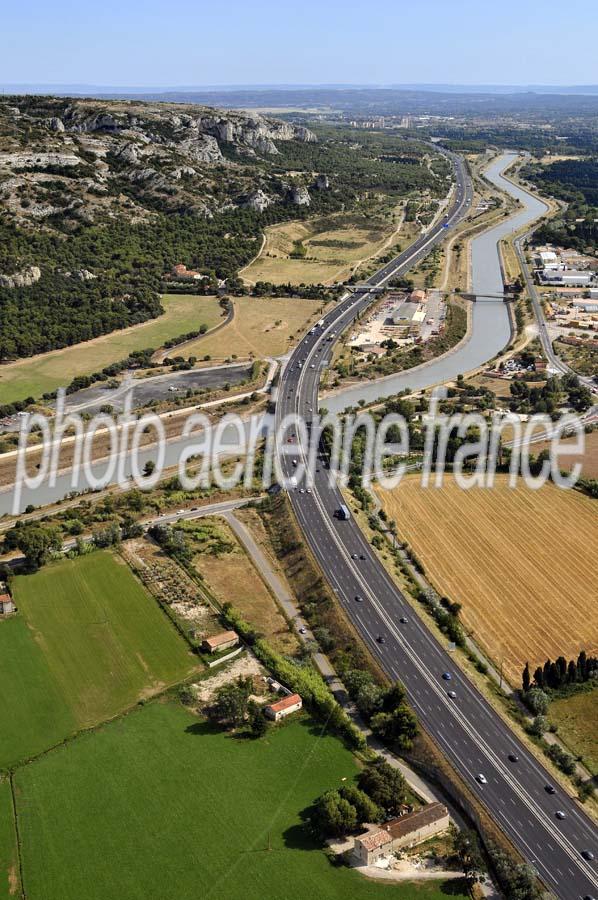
129 153
23 278
299 196
179 172
165 150
55 124
75 119
37 160
258 201
203 148
322 183
84 275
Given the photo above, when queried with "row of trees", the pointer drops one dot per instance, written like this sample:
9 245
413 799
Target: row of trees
40 542
560 673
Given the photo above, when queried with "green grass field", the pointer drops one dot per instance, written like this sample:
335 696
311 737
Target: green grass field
34 377
158 806
33 714
8 846
577 720
89 642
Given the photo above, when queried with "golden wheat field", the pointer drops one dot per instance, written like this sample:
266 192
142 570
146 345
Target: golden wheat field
522 563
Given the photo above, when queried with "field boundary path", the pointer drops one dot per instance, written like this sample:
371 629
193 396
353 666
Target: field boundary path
164 352
428 792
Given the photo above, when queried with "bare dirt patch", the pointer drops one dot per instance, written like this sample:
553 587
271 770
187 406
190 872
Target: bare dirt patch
245 666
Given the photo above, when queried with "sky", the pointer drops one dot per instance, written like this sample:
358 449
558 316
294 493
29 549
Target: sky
223 42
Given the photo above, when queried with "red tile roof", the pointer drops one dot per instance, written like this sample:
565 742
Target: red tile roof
285 703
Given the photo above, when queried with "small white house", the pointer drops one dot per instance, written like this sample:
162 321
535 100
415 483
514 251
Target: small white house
6 602
284 707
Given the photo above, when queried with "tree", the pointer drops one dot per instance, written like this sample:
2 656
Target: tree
369 699
525 678
130 528
537 701
107 537
365 808
399 726
231 702
538 726
333 815
394 697
384 784
258 724
36 543
149 468
466 847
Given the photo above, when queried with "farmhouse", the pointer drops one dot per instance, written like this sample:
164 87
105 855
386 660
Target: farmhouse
405 831
181 271
222 641
284 707
6 603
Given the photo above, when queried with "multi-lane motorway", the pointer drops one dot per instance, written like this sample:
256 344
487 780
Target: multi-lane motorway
507 779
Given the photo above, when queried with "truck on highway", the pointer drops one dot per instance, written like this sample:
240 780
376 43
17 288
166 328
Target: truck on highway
342 513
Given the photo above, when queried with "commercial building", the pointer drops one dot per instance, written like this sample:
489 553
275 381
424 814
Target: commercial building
547 259
405 831
587 306
418 296
222 641
567 277
284 707
409 314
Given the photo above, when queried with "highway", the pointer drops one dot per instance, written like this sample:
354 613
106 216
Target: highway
469 732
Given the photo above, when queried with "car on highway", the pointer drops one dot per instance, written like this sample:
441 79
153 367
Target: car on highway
358 598
549 789
481 779
560 814
447 676
381 639
587 854
513 757
354 556
403 620
452 694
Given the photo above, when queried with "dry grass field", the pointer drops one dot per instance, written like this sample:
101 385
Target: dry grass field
577 720
589 460
261 327
232 577
333 246
47 371
519 561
